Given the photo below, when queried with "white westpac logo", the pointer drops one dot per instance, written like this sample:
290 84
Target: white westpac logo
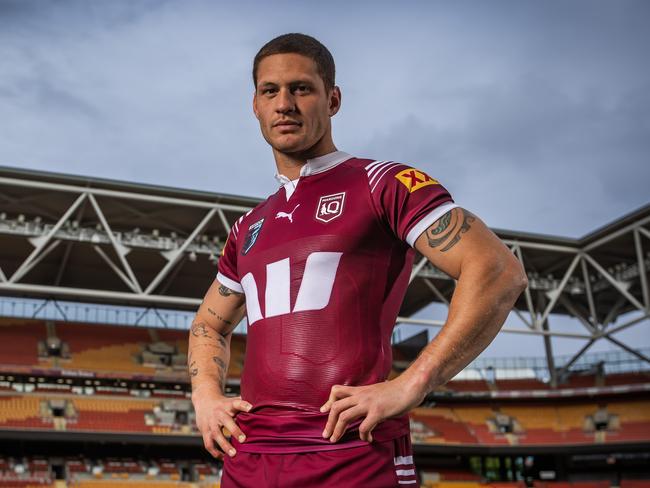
314 293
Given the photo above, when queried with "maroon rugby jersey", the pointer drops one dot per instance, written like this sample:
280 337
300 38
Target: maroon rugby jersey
324 264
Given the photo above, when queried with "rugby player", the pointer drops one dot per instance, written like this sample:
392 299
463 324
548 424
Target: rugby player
320 268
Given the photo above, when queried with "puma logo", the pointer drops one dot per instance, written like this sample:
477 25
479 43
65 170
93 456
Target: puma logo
287 215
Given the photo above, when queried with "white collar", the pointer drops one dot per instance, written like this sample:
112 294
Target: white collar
316 165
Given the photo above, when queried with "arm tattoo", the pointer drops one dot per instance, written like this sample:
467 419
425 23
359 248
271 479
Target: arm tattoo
199 329
192 366
440 231
212 312
221 371
219 362
224 291
222 340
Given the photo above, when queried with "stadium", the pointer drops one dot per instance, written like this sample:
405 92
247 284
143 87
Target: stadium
99 280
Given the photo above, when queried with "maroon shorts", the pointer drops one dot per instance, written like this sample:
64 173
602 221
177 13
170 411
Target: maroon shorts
376 465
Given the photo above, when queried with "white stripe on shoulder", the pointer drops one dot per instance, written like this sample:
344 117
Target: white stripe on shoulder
406 482
378 168
381 169
403 460
373 164
382 174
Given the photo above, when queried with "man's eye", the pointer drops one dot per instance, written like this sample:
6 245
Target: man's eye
302 88
267 91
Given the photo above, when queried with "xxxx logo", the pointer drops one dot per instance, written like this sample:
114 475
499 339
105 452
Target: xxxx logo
414 179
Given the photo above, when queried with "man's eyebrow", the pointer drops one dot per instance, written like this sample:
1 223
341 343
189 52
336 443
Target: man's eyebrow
266 84
301 82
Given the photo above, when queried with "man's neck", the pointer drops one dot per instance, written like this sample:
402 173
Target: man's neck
290 164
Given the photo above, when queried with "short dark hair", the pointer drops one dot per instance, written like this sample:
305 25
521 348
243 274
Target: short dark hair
299 44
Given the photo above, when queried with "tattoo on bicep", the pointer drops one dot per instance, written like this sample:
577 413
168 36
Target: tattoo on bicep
215 314
224 291
444 230
199 329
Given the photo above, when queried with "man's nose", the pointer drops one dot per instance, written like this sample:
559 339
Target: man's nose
285 101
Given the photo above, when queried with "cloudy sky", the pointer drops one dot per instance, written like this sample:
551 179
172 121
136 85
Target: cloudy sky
535 115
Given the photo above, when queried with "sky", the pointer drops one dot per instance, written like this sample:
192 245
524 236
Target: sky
534 115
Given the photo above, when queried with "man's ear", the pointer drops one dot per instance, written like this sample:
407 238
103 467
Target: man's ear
335 101
255 105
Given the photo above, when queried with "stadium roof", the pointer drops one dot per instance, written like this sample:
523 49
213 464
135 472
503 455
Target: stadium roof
98 240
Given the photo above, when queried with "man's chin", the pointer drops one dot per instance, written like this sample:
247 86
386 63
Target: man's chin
289 147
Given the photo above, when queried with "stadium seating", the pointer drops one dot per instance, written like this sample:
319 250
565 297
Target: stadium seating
19 341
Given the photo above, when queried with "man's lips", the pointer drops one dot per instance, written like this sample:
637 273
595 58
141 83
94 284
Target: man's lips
287 123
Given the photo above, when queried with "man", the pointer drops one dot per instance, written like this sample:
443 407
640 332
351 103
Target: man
321 268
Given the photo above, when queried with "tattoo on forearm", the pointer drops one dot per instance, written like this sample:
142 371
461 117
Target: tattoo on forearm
193 370
220 362
221 371
199 329
222 341
441 232
224 291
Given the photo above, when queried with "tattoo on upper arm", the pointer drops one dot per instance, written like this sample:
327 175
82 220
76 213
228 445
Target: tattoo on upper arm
448 230
224 291
215 314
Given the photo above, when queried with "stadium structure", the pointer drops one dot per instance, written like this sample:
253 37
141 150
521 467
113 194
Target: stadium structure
99 280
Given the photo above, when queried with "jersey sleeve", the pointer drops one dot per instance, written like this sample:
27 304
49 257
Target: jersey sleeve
227 265
406 199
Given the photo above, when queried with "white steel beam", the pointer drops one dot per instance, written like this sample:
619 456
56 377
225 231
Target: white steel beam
122 194
178 252
117 269
417 268
510 330
42 242
627 348
642 271
135 286
527 294
565 368
613 281
614 235
101 295
590 297
558 291
224 221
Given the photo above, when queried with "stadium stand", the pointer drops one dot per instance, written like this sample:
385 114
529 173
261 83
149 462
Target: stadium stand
92 380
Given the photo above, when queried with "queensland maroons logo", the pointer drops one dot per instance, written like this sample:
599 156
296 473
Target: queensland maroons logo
330 207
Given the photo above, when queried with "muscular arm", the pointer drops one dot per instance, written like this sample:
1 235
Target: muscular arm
209 340
207 361
489 278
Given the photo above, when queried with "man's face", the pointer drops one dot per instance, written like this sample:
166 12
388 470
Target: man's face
292 104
